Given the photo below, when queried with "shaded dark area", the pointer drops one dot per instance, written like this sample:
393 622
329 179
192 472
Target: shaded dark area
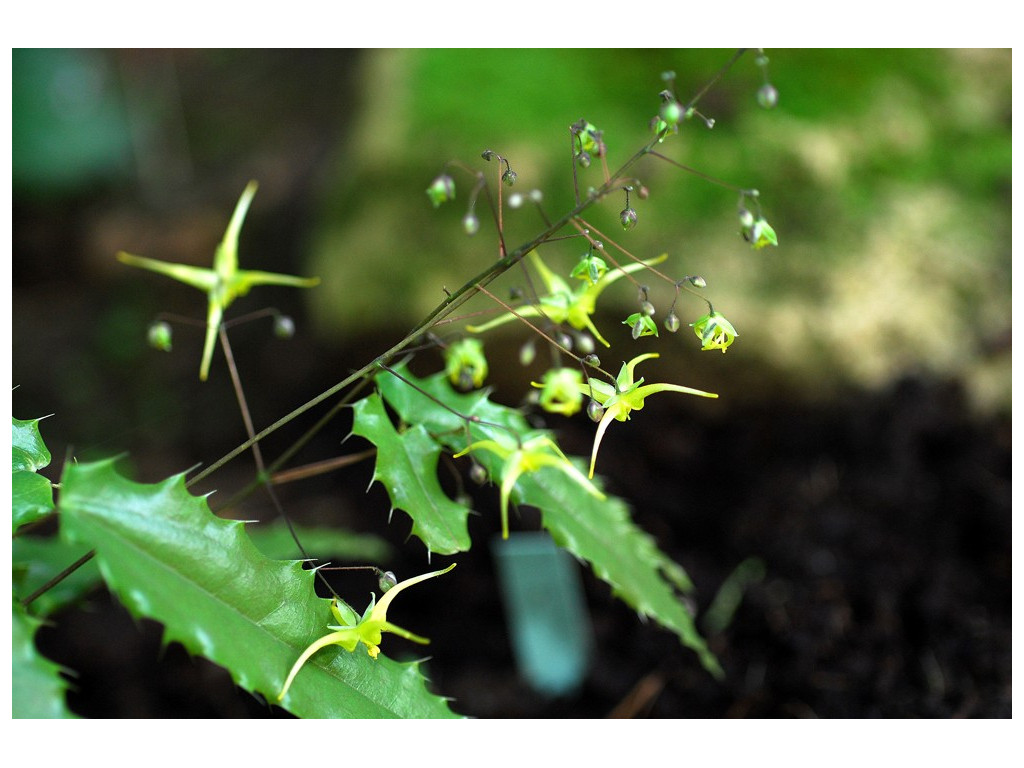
883 523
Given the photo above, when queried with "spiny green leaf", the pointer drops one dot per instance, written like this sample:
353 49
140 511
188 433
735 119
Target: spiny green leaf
37 688
31 493
407 466
36 560
28 451
168 558
598 531
31 498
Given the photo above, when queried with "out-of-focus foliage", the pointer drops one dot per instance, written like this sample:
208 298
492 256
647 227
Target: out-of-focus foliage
885 173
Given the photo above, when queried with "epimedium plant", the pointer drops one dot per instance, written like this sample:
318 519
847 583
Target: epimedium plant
224 593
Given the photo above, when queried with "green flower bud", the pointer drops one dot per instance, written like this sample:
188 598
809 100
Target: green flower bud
441 190
628 218
671 113
386 580
478 474
509 177
767 96
584 343
284 327
527 353
471 223
672 322
159 336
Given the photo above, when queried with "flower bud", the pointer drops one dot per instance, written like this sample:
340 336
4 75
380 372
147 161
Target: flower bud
471 223
441 190
746 218
509 177
386 580
628 218
672 322
284 327
671 112
527 353
767 96
159 336
584 344
647 308
595 410
478 474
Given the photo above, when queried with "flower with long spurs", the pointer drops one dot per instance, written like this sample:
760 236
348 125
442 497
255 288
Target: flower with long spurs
352 630
624 397
562 304
225 282
527 455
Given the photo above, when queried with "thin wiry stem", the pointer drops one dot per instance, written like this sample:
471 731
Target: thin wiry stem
463 294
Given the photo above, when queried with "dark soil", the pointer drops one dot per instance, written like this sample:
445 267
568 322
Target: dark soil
882 521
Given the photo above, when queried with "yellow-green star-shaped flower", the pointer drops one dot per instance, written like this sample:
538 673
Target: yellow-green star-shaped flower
562 304
529 455
225 282
625 396
352 630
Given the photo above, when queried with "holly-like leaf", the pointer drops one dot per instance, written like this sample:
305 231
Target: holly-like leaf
407 466
31 493
28 451
36 560
168 558
597 530
37 688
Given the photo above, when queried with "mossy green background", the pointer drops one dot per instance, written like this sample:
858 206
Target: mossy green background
886 174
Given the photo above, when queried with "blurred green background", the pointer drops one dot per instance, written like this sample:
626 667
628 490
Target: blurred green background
886 174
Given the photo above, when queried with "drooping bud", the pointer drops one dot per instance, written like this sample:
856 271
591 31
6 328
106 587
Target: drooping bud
159 336
527 353
441 190
284 327
471 223
628 218
767 96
